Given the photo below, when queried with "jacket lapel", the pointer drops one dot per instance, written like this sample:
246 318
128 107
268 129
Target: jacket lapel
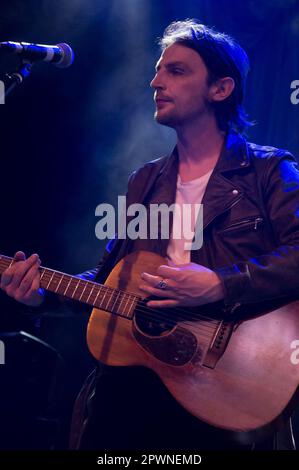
221 193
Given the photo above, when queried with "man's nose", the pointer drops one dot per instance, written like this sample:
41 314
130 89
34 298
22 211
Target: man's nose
157 82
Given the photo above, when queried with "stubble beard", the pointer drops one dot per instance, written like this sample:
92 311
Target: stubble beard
166 120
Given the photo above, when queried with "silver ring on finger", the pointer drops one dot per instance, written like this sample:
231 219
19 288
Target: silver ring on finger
162 284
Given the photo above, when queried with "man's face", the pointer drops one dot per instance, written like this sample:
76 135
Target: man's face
181 90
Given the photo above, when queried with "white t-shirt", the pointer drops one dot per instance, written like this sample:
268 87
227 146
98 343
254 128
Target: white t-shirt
184 217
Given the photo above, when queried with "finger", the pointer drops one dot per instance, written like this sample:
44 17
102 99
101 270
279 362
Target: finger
7 274
5 279
151 279
19 256
155 280
158 292
19 269
36 283
35 294
162 303
27 282
170 272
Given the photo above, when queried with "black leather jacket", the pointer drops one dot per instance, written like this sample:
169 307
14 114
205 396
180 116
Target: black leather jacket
250 215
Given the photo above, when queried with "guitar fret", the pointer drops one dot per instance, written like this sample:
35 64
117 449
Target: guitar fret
64 293
72 296
95 300
72 285
94 294
127 300
112 308
92 287
103 298
82 292
123 310
118 310
130 313
111 298
56 290
47 287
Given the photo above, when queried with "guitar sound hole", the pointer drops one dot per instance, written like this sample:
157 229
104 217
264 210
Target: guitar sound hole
153 322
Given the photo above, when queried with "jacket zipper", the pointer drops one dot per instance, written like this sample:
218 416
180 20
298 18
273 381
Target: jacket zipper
244 223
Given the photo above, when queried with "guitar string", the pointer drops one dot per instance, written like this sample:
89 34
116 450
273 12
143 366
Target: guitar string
113 293
198 328
202 335
148 312
130 296
153 314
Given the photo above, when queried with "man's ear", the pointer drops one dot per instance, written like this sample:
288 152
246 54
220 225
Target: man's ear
221 89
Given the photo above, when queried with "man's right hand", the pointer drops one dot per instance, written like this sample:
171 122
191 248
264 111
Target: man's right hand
22 280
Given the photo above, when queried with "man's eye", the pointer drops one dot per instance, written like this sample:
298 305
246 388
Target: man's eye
177 71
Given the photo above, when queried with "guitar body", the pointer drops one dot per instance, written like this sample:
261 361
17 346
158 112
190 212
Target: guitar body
248 389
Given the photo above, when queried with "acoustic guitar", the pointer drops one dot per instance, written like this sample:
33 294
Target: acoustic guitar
237 376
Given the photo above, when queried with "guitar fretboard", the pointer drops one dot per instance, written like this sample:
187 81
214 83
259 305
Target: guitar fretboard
103 297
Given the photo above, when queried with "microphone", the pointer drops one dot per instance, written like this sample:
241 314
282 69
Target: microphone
60 55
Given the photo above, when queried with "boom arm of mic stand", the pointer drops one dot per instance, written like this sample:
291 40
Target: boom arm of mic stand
11 80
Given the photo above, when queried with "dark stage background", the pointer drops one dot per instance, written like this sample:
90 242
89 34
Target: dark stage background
69 140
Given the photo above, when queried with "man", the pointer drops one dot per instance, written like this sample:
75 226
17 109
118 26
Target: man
250 252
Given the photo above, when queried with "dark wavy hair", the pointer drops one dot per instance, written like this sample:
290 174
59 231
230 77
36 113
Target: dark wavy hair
223 57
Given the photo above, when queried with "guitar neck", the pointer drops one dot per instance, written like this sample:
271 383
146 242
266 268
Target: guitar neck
73 287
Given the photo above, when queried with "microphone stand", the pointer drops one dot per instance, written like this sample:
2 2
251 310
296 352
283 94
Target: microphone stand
12 80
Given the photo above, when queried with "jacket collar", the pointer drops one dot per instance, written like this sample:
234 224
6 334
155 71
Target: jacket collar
234 155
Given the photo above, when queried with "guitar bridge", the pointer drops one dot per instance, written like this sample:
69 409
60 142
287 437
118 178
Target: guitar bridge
218 344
